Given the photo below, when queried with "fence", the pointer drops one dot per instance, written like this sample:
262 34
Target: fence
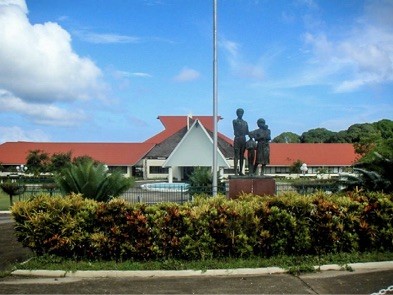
139 195
149 197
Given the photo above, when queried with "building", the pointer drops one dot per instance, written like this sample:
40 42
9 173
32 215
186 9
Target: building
186 142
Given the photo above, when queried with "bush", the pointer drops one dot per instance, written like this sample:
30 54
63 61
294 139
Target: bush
92 181
290 224
201 181
12 189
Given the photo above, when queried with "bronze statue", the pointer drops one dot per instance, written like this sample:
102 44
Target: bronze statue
251 145
240 128
262 136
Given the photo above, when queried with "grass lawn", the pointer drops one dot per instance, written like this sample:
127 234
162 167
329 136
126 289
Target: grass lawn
294 264
4 201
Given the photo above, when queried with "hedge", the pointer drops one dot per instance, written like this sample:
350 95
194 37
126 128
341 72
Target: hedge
289 224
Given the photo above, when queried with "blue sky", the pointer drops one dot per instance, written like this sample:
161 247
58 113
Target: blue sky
102 71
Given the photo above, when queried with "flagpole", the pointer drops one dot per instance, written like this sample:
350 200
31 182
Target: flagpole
215 104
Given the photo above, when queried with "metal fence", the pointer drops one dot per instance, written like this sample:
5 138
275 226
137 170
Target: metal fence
32 190
139 195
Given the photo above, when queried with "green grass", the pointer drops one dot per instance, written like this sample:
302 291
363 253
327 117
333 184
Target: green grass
294 264
4 201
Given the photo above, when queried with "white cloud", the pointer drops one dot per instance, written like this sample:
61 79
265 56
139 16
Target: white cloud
364 57
379 12
141 75
107 38
45 114
15 133
124 74
238 67
38 62
186 75
231 48
20 4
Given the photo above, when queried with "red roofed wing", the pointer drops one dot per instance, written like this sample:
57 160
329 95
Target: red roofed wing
313 154
115 154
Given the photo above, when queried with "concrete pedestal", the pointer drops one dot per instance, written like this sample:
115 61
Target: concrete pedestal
257 185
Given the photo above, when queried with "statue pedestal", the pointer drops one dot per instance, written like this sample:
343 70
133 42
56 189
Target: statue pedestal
257 185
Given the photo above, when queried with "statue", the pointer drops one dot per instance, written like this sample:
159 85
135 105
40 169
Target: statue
262 136
240 128
251 145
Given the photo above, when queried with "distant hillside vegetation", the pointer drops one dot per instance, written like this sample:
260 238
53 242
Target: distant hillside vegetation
356 133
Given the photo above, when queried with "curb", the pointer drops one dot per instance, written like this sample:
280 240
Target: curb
149 273
385 265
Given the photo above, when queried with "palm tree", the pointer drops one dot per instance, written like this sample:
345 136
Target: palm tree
92 181
368 180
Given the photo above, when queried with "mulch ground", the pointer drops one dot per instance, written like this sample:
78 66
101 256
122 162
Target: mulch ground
11 251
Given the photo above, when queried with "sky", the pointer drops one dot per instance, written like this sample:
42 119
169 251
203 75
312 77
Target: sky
103 71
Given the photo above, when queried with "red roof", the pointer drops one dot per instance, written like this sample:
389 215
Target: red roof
313 154
129 154
173 124
113 154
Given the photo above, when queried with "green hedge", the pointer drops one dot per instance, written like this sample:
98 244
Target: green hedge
289 224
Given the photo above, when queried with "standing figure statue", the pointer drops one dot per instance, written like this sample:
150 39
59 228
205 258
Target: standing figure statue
251 145
262 136
240 128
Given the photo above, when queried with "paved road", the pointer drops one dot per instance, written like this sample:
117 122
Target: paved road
326 282
5 218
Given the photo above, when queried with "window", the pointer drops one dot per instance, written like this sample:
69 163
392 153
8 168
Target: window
122 169
229 171
281 170
158 170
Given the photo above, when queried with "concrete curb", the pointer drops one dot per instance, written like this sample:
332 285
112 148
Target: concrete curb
385 265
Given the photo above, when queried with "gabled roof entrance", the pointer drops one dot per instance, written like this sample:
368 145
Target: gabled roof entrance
195 149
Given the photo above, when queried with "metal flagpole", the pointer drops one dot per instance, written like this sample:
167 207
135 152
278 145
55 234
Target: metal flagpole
215 104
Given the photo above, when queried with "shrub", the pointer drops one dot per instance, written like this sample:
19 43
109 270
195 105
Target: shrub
201 181
92 181
55 225
289 224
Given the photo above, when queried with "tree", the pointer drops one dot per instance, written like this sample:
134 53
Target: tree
60 161
385 128
37 162
317 135
12 189
92 181
83 159
358 131
367 180
287 137
295 167
339 137
378 158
